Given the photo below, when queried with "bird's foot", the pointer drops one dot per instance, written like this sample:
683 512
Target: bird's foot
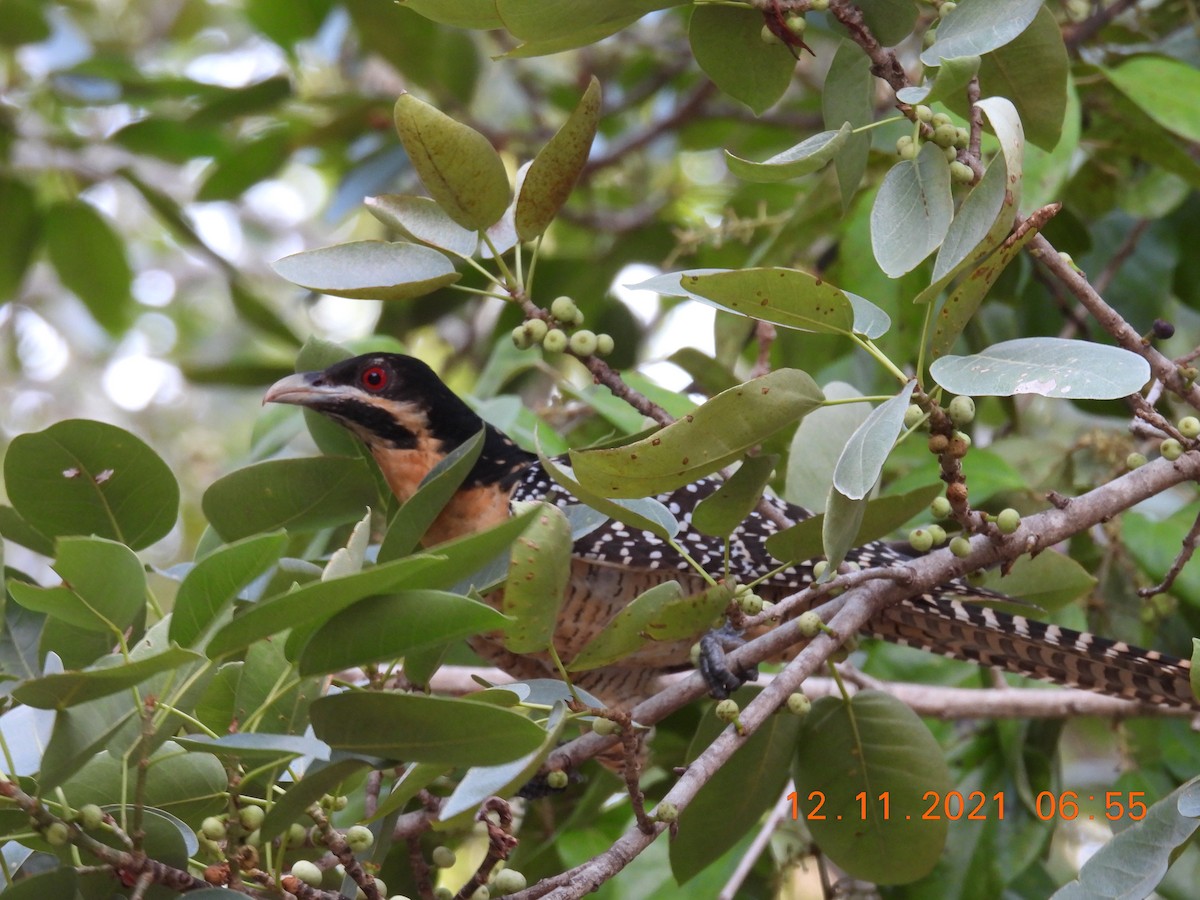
722 679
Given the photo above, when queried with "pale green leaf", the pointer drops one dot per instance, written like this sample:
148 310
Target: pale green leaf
1165 89
458 166
553 172
787 297
369 270
871 762
717 433
84 477
539 568
1051 367
912 211
424 729
867 450
974 28
808 156
728 46
421 219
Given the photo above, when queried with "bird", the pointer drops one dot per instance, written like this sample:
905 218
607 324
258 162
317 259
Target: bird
409 420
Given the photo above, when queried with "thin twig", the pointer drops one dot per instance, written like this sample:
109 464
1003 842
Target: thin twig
1076 35
1185 554
1110 270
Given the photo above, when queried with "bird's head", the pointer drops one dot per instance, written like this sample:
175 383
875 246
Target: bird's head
390 401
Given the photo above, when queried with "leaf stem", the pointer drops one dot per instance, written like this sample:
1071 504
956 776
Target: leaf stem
870 125
482 293
510 281
881 357
924 343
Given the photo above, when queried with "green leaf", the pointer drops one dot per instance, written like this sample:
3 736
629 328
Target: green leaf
808 156
258 745
369 270
737 795
257 311
1051 367
85 477
460 14
378 629
23 22
645 514
19 644
842 520
422 220
539 569
458 166
786 297
315 601
319 779
1154 544
891 21
1165 89
79 734
256 97
717 433
720 513
1195 673
663 613
553 172
548 20
20 231
960 307
416 777
912 211
320 601
848 756
867 450
949 82
68 689
58 882
434 492
261 702
849 97
985 216
1137 858
104 586
728 46
883 516
869 320
818 443
89 257
245 165
973 29
1049 580
571 39
481 782
1031 71
17 530
424 729
214 582
296 494
171 139
189 786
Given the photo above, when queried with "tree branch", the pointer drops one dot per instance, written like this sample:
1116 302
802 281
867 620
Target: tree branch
1110 320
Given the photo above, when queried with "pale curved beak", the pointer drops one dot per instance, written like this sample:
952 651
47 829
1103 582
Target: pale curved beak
302 389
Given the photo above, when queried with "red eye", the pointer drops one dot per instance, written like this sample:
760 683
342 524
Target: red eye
374 378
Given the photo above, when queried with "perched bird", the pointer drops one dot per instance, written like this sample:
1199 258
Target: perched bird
409 420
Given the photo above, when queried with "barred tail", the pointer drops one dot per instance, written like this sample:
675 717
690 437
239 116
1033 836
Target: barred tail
1037 650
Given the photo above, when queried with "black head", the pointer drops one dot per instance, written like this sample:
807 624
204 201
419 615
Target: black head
387 399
